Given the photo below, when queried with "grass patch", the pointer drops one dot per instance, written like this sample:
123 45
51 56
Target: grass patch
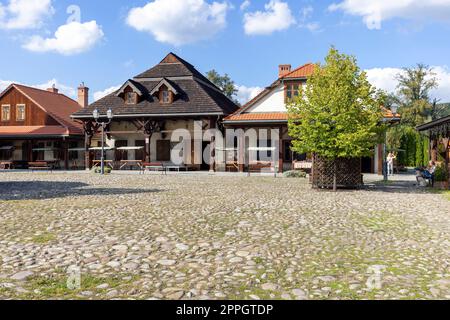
43 238
55 286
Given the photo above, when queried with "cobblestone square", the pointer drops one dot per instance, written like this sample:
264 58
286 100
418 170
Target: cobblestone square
82 236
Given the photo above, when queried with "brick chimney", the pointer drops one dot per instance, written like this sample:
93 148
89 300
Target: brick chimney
284 69
53 89
83 95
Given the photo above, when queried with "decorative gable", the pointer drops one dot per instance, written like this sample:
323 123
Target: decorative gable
130 92
165 91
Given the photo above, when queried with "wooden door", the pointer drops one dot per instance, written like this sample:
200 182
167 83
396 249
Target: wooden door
163 150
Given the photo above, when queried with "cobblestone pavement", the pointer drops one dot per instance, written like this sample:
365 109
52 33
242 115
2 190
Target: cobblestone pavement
218 237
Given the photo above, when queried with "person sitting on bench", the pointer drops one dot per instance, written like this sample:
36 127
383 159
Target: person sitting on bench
428 173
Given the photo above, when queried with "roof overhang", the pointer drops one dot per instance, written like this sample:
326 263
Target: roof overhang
146 115
434 124
255 122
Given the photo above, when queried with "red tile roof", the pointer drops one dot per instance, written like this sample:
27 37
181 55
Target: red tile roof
301 72
30 131
274 116
57 105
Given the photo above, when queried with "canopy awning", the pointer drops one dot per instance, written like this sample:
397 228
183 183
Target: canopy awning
261 149
77 149
130 148
226 149
45 149
100 148
6 148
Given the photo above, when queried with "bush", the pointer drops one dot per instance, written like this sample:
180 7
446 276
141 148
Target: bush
295 174
441 173
108 170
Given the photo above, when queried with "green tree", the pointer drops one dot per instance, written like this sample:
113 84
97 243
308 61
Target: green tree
224 83
337 114
413 98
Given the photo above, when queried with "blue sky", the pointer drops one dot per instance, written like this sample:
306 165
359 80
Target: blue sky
115 40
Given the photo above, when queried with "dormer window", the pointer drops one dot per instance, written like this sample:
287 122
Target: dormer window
131 92
130 98
165 91
165 96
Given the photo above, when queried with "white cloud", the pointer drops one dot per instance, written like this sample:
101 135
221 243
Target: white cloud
385 78
245 5
276 17
305 15
100 94
179 22
65 89
375 12
69 39
4 84
245 94
25 14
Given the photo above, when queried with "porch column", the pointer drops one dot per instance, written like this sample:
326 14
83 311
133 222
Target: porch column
66 154
212 147
434 149
280 151
147 147
30 151
380 159
87 153
241 151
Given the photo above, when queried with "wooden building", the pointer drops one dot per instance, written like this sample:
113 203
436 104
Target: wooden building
268 110
148 108
439 133
35 125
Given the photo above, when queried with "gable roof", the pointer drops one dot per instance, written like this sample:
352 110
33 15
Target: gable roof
137 87
164 82
302 72
57 105
196 95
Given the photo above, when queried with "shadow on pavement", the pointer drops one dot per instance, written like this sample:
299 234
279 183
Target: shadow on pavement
39 190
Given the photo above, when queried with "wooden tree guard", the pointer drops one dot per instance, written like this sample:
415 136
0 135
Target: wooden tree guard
348 172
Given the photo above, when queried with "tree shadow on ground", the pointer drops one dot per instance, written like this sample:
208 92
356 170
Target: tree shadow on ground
40 190
398 186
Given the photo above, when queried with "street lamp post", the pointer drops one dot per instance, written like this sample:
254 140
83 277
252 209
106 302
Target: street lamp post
109 116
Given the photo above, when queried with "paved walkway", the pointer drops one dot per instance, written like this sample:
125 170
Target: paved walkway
203 236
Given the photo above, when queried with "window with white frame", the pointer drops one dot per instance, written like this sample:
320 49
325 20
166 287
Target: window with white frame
20 112
6 112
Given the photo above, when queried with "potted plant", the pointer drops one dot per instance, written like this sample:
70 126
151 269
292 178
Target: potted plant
108 170
441 177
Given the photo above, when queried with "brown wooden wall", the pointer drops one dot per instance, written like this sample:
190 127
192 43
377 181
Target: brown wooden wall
34 115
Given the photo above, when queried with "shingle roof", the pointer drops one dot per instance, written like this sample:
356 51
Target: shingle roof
196 94
57 105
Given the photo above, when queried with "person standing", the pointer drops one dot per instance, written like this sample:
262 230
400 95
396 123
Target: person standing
390 164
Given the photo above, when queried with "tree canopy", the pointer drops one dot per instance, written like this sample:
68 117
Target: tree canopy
224 83
338 112
413 94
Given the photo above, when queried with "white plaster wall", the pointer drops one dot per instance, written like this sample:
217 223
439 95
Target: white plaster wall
273 102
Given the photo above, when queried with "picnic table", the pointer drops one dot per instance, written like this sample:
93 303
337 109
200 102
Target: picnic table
39 165
98 163
131 164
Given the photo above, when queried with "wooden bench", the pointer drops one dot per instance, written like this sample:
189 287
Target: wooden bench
154 166
39 166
